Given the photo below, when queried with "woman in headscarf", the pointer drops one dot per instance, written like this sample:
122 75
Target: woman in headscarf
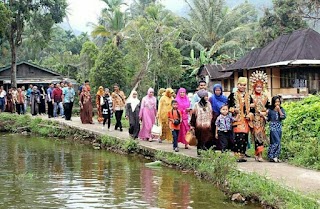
184 107
132 114
9 103
217 100
34 100
201 121
42 105
99 95
160 94
148 112
106 108
85 106
164 108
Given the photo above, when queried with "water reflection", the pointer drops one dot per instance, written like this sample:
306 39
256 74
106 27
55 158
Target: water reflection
42 173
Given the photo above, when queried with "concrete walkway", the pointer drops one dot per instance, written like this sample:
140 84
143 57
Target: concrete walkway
298 179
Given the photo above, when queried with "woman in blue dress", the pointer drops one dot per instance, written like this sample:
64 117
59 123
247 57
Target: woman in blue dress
275 116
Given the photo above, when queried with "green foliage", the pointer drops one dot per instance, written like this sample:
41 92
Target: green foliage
267 191
38 15
128 146
301 132
4 20
89 54
220 168
284 18
109 68
215 27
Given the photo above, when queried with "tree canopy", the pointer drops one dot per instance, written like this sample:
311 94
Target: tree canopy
143 44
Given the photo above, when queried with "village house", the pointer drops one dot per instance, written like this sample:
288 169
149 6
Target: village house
28 73
213 74
292 63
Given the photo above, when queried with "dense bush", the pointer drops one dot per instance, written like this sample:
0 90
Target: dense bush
301 132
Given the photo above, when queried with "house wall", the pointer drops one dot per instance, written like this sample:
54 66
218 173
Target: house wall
273 85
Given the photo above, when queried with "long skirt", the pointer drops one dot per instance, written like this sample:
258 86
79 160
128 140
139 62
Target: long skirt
240 143
9 106
184 128
275 144
148 119
166 132
204 137
42 106
100 117
86 113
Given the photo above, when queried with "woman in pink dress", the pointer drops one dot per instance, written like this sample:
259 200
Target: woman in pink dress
184 107
148 112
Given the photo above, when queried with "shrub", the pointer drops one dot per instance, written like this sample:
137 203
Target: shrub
301 132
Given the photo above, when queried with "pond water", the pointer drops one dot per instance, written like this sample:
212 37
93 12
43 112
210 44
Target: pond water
50 173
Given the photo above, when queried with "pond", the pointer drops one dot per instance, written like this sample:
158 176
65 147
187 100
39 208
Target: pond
51 173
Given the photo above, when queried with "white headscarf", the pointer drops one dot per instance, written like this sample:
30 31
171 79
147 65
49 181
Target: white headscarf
133 101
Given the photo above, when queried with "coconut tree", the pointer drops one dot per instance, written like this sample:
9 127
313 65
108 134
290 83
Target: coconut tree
212 22
111 23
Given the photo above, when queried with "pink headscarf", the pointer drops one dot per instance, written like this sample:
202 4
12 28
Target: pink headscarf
183 102
150 99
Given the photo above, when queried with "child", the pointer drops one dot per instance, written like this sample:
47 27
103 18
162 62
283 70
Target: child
275 116
106 106
224 127
174 123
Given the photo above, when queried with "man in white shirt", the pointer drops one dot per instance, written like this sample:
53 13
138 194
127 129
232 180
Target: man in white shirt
3 101
196 98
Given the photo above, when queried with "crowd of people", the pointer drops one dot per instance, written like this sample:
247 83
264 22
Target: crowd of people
218 122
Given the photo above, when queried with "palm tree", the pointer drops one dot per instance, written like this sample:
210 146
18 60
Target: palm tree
111 23
212 24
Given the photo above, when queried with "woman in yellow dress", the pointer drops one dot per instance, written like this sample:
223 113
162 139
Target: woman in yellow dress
164 108
99 95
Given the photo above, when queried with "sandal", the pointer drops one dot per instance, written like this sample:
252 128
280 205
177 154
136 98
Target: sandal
241 160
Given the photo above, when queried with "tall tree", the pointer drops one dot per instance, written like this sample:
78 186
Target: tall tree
213 24
111 23
109 67
4 20
44 14
152 36
283 18
89 55
137 8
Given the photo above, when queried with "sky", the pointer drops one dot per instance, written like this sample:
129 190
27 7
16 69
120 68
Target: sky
81 12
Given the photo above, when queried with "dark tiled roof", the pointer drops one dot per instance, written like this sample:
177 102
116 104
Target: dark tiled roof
299 45
33 65
215 71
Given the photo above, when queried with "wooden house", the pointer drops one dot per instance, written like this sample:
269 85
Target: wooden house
28 73
214 74
292 63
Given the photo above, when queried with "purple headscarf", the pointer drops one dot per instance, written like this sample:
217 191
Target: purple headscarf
217 100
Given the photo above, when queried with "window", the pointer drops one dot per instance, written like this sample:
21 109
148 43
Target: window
299 78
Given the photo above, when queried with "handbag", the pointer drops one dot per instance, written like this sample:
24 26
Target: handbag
191 138
156 130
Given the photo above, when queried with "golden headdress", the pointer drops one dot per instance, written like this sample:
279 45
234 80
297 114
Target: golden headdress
242 80
259 77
